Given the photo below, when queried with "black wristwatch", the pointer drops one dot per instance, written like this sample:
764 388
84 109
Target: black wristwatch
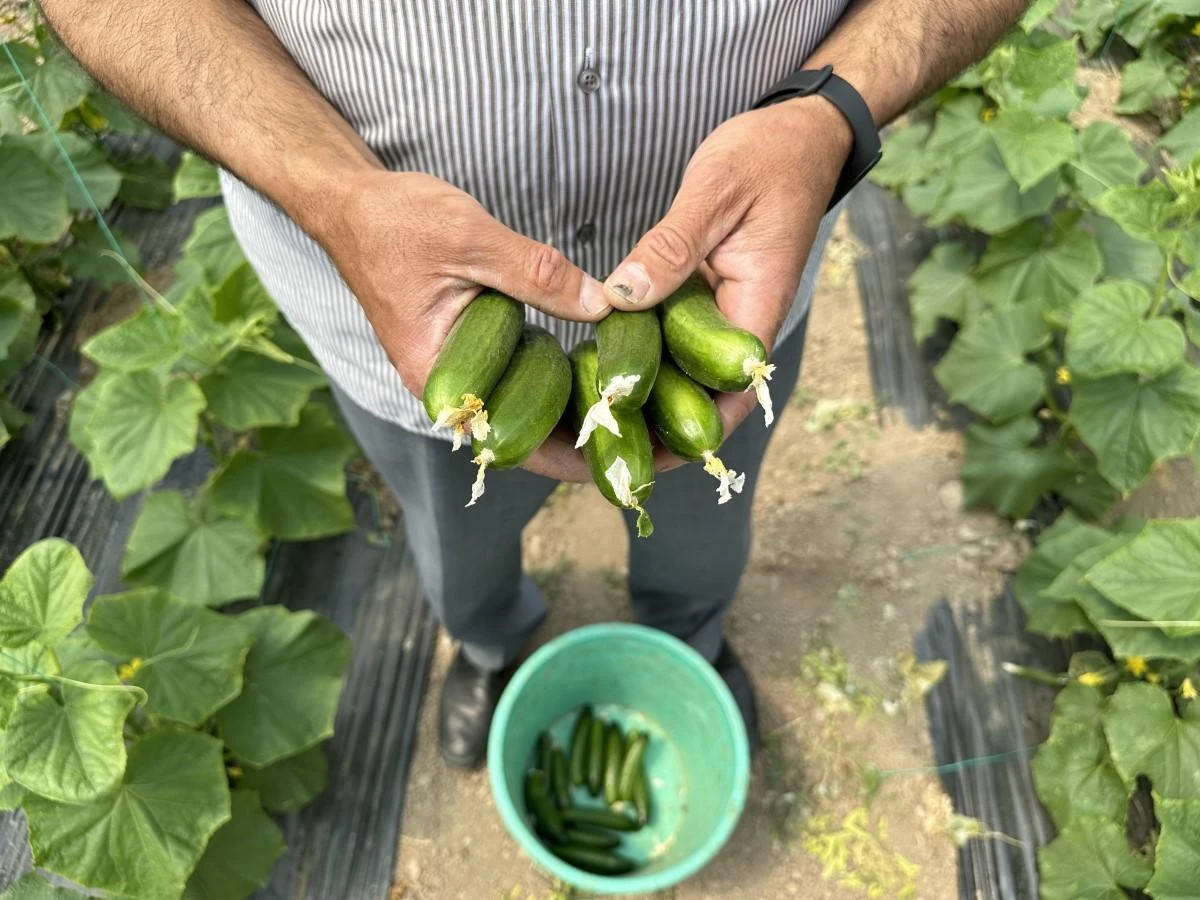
839 92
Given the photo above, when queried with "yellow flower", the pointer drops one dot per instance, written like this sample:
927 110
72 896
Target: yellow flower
234 772
1187 690
1091 679
1196 29
1136 665
1154 678
127 670
1062 375
988 114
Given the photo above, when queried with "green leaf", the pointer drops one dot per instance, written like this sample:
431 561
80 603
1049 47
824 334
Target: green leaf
1126 641
242 296
942 287
207 341
1125 256
34 887
1177 853
56 79
1037 13
1045 564
1155 77
192 657
1182 141
1087 492
251 391
1003 471
1132 423
84 258
289 784
142 422
213 247
1147 738
1140 211
1059 610
88 158
1145 18
149 339
1073 771
981 192
1157 576
42 594
1032 147
71 750
240 856
1114 329
1106 159
294 487
33 198
958 131
904 160
196 177
145 182
193 552
145 838
1024 74
83 409
1031 264
11 796
291 685
986 367
17 304
1090 859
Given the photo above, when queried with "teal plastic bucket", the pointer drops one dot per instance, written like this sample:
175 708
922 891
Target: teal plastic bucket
697 761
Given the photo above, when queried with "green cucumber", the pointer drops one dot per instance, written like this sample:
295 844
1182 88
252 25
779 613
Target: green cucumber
595 766
614 753
606 452
471 361
560 785
629 345
545 753
547 817
600 818
631 764
711 350
687 421
641 798
592 837
579 747
593 859
525 405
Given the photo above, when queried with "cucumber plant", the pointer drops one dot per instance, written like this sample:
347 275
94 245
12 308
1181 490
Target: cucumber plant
1069 294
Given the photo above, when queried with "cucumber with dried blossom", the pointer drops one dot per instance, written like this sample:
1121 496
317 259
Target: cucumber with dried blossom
628 350
622 467
686 419
470 363
709 348
525 405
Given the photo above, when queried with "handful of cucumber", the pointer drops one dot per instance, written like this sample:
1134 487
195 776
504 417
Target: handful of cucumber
602 762
507 385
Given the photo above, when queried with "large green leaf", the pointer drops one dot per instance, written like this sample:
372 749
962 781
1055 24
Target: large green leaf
1140 20
1156 76
145 182
1106 159
193 552
986 368
149 339
101 180
904 160
55 78
981 192
85 256
1004 471
144 839
252 391
287 785
958 131
242 296
142 422
196 177
34 887
1140 211
1023 72
1090 860
240 856
942 287
1045 564
1125 256
1073 771
42 594
17 303
1059 610
1114 329
1157 575
69 749
1031 264
83 408
191 657
33 198
1031 146
292 680
1147 738
1133 423
294 487
1037 13
1128 635
213 246
1177 853
1183 140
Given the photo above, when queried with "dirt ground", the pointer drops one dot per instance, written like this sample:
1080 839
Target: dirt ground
859 535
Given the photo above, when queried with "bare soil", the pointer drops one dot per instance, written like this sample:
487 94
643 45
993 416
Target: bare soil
859 532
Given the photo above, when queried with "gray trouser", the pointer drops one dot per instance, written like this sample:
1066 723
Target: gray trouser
681 580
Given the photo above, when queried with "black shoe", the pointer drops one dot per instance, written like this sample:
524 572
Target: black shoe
730 668
469 697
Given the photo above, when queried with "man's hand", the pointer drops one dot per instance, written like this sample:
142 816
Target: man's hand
746 215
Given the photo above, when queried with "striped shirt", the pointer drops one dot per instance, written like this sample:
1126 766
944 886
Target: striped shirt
570 121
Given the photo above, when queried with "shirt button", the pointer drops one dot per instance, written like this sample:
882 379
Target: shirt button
588 80
586 233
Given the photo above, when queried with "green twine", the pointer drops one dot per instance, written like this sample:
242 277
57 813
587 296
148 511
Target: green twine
962 764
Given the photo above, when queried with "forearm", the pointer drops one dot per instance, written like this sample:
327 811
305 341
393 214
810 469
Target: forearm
212 75
896 52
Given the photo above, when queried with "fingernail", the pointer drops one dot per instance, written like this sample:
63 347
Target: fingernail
629 283
591 297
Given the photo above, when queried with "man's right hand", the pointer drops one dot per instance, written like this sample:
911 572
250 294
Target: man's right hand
416 250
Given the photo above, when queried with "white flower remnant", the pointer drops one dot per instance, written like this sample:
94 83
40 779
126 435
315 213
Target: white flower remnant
469 419
621 480
727 479
600 414
760 373
483 460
